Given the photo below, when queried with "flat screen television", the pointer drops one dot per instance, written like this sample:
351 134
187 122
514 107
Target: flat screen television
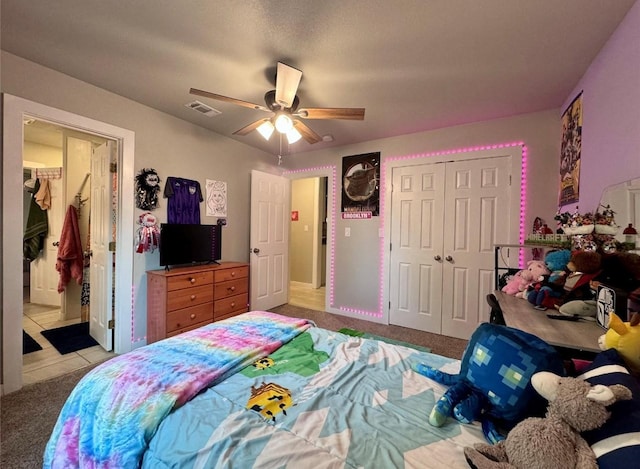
190 244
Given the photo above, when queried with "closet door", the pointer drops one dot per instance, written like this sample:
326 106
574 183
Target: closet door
445 219
476 217
417 208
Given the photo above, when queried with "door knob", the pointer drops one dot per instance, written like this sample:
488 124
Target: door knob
437 258
449 259
256 250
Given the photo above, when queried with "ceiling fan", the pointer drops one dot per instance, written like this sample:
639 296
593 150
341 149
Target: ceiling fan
282 103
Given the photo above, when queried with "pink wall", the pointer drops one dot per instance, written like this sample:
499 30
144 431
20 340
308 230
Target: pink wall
611 113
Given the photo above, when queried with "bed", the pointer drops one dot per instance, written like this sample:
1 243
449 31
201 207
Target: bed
260 390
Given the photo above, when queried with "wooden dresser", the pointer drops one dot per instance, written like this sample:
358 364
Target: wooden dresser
184 298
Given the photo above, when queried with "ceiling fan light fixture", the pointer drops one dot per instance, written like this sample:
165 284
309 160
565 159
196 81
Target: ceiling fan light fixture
283 123
266 129
293 135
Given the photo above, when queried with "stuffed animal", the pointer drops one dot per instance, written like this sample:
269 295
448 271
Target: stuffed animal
625 338
619 270
554 441
551 285
493 385
535 272
516 284
583 267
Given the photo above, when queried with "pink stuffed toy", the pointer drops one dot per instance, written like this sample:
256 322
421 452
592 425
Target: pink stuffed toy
516 284
521 280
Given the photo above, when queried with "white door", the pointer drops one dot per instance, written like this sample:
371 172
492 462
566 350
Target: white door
44 276
269 240
417 208
476 218
445 219
101 265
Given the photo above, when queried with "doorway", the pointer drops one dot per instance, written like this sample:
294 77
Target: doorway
58 161
16 110
308 243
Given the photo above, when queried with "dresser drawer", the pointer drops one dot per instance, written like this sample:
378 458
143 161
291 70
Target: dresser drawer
230 274
194 279
189 297
187 328
229 305
189 316
230 288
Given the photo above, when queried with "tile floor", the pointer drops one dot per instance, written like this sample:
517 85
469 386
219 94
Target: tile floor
48 362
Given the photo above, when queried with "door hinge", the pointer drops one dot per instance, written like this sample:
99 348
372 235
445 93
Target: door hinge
112 246
509 179
390 247
111 324
113 167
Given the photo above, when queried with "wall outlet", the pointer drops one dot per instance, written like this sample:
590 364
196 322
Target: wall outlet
347 231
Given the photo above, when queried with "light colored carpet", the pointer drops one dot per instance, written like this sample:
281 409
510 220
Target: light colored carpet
27 416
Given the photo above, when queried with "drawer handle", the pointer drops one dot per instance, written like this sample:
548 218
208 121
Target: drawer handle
192 280
233 304
193 297
193 316
231 288
233 274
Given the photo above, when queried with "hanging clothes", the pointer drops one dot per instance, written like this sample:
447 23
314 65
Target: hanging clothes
184 200
37 227
43 196
70 263
85 294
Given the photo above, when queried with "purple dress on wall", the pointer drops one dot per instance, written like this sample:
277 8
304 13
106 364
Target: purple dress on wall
184 201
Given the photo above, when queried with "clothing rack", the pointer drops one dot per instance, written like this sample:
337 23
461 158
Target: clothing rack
79 200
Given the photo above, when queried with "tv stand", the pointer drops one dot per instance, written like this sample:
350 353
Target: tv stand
184 298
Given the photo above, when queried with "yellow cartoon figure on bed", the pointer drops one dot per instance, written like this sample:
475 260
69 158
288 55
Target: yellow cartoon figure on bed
625 338
263 363
269 400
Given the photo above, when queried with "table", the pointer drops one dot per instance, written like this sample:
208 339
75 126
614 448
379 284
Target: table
577 336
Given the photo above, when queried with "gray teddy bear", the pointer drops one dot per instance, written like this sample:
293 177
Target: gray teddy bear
554 441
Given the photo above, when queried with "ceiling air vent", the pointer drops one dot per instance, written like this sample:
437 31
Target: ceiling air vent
203 108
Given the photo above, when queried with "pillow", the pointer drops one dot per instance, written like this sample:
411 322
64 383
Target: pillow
617 443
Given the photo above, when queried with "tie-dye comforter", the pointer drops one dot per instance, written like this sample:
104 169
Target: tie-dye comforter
323 400
114 411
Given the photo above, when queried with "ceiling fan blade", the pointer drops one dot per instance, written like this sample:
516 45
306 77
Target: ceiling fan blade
309 135
219 97
250 128
347 113
287 81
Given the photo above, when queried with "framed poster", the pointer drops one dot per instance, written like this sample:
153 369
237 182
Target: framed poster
361 185
570 152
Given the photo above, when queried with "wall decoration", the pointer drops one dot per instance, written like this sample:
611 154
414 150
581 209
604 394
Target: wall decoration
570 150
216 198
148 235
147 189
361 185
184 197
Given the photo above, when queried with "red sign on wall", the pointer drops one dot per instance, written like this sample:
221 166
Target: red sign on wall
294 215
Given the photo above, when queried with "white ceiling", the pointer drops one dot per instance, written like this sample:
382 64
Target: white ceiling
413 64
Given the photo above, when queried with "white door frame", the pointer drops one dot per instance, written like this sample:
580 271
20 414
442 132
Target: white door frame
517 153
15 110
330 173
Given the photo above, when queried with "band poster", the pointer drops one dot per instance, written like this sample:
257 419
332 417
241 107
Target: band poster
570 152
361 186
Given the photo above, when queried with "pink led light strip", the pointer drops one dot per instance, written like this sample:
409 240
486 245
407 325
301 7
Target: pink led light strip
383 178
330 246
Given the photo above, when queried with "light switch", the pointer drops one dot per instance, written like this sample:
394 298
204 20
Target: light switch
347 231
306 227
